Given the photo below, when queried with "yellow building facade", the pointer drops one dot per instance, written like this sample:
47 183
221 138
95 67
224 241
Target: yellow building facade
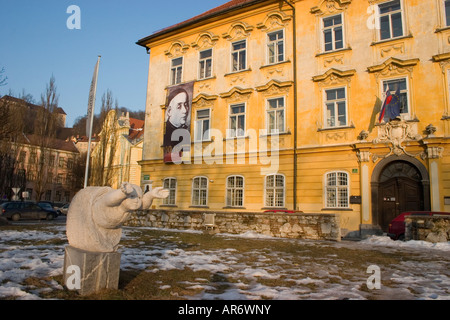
284 112
116 155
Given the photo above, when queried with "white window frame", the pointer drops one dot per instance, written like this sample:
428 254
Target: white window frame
174 70
199 125
202 202
444 23
271 110
402 14
275 44
205 60
273 191
233 201
340 202
406 116
239 52
233 133
336 108
333 33
167 201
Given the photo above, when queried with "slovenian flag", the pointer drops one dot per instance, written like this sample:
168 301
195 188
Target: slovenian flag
386 103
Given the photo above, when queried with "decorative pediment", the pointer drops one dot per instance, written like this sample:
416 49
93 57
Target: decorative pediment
238 30
204 100
335 76
275 87
394 66
177 48
205 40
237 94
275 20
330 6
443 59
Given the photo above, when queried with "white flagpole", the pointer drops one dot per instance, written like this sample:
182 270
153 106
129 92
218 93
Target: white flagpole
90 118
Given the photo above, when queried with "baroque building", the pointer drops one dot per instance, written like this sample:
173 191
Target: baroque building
281 109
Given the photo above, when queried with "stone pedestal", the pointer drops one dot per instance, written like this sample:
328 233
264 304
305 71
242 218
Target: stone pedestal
89 272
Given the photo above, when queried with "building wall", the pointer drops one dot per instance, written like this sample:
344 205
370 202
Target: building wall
420 57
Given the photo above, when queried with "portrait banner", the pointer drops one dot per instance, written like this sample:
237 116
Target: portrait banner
177 133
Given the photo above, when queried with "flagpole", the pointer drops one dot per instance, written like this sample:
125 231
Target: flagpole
90 118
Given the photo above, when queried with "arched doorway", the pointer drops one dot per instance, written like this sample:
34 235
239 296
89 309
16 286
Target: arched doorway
399 184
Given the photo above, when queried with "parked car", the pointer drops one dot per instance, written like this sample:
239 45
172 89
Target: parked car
48 206
64 209
26 210
397 225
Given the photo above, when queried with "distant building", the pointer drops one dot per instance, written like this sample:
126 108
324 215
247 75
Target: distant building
313 74
33 108
118 155
54 177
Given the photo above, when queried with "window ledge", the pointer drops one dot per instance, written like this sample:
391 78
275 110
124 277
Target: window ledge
236 138
333 51
337 209
237 72
276 134
168 206
229 207
391 39
336 128
274 64
203 207
442 29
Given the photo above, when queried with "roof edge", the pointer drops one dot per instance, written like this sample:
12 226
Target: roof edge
193 21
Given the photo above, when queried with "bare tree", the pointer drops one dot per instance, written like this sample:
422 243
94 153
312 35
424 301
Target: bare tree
12 173
3 78
44 133
102 169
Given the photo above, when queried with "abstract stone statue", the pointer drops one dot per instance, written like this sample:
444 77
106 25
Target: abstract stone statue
97 214
94 229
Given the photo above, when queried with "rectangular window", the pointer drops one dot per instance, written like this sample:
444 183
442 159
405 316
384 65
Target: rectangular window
48 195
391 21
275 115
401 84
205 64
275 191
447 12
276 46
336 108
239 55
237 121
202 125
333 33
61 162
171 185
337 190
69 163
200 191
235 191
176 71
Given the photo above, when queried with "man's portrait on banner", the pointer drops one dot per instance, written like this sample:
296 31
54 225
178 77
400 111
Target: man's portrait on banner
177 121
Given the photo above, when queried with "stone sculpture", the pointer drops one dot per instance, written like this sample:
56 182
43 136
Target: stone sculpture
97 214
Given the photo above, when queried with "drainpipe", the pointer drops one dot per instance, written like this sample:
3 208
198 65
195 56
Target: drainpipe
294 34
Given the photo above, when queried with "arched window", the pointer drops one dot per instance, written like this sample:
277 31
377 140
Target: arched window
337 190
171 185
275 192
235 191
200 191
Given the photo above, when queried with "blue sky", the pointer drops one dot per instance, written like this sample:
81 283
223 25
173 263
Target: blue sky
35 44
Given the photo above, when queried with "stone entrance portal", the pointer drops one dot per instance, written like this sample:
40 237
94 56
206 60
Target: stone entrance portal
399 184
